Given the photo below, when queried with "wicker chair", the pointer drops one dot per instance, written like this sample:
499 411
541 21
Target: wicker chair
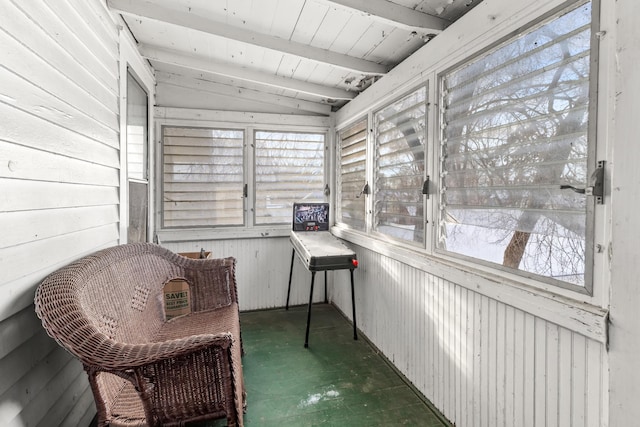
107 309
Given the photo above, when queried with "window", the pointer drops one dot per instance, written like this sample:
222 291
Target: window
515 129
353 177
203 179
289 167
399 170
137 126
137 129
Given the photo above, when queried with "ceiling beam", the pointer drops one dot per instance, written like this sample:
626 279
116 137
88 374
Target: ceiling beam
203 84
191 20
396 14
167 56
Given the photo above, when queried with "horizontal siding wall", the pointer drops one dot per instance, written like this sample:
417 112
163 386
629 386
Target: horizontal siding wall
479 361
262 271
59 175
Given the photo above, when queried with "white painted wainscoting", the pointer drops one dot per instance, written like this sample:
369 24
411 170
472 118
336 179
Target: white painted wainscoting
262 271
478 360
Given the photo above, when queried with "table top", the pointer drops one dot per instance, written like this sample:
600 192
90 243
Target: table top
321 244
320 251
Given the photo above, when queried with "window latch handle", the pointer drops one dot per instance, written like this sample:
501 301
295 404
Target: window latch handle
596 188
425 186
245 190
597 183
571 187
365 190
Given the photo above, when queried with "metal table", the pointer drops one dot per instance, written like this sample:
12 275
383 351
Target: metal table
321 251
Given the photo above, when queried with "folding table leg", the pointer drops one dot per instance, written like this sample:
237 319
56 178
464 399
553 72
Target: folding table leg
293 254
353 306
306 337
326 300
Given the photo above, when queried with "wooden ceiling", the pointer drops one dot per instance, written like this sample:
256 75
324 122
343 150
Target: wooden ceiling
284 56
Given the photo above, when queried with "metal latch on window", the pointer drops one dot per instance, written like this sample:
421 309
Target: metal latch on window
245 190
596 187
365 190
425 187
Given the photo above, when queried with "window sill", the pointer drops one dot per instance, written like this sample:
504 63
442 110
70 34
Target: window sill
577 316
196 234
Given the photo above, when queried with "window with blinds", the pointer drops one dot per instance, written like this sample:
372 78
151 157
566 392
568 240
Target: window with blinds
399 170
137 129
353 177
289 167
515 130
202 177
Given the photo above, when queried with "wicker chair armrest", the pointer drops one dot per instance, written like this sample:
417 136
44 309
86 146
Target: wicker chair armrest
109 355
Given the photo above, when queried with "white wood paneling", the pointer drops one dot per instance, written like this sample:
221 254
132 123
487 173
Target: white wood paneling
262 271
53 195
28 65
68 41
210 95
161 55
625 200
173 94
56 58
586 319
404 17
20 162
59 174
91 24
28 226
245 35
195 117
282 45
480 361
26 95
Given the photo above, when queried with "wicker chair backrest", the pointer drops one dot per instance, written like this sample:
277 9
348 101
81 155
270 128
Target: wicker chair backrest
116 293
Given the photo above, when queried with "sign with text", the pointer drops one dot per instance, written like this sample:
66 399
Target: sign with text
177 300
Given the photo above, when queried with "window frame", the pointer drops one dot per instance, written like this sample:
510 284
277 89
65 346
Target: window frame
442 262
133 78
372 148
254 182
592 219
338 162
198 118
131 62
162 180
138 229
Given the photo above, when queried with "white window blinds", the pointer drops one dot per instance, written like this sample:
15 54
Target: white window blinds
352 177
400 168
202 177
289 167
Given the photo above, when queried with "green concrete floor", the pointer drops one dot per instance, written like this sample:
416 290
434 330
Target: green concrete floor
335 382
